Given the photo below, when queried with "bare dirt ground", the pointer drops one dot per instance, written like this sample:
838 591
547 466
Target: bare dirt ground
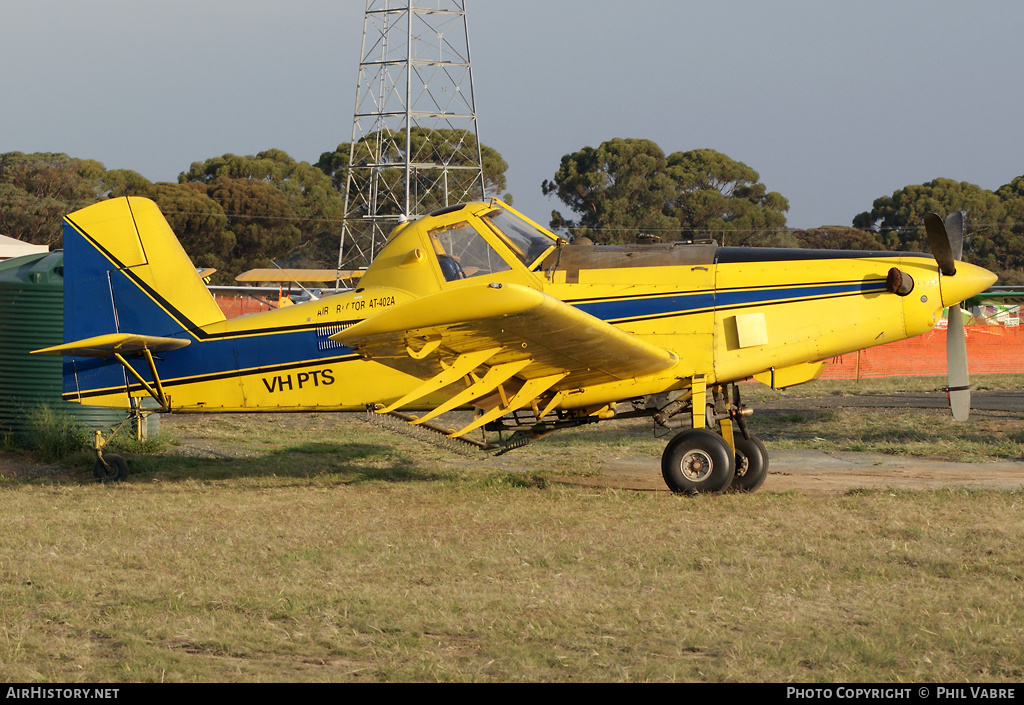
829 472
15 464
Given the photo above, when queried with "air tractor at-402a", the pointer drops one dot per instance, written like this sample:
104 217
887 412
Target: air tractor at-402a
476 307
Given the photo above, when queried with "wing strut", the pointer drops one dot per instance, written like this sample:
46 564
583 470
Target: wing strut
158 393
114 344
462 366
530 390
492 379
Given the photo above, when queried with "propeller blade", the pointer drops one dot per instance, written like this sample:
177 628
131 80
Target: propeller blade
959 390
955 233
939 242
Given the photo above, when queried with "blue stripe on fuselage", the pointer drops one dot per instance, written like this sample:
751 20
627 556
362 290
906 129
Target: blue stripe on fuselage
205 359
684 304
676 304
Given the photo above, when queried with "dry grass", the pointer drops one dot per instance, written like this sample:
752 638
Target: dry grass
319 549
930 433
289 580
880 385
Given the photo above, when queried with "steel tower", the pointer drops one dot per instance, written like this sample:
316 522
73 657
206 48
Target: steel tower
415 144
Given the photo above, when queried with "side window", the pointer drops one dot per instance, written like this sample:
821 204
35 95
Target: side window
462 253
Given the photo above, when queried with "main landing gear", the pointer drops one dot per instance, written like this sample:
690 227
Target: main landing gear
701 461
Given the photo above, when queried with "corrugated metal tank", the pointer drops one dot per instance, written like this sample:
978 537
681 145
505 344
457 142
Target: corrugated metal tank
32 317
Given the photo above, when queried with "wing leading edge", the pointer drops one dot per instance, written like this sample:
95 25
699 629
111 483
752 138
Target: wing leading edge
512 344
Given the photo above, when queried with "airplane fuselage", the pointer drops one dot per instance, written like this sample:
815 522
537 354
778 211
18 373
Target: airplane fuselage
730 314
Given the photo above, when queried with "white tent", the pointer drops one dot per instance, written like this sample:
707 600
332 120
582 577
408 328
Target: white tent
9 247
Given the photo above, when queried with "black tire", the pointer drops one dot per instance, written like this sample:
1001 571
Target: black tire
697 462
751 464
110 468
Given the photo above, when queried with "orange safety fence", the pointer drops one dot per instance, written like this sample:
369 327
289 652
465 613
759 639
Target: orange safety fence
990 350
235 306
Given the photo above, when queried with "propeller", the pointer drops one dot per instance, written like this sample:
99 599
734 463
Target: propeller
946 240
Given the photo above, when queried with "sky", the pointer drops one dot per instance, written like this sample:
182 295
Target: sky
833 103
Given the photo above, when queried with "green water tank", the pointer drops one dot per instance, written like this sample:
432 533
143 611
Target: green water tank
32 317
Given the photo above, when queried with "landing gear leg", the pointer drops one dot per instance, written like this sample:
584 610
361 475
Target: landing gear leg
109 467
699 460
751 455
702 461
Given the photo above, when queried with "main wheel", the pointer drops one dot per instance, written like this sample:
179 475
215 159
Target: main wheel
751 464
110 468
697 462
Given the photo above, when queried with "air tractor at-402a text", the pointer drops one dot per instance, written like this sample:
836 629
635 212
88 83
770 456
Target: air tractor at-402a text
476 307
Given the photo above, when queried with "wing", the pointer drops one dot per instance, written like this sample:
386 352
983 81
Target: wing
513 343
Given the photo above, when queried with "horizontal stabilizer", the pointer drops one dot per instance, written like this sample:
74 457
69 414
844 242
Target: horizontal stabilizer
107 345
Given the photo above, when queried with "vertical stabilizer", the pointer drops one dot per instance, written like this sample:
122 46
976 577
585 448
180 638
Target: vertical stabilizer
126 272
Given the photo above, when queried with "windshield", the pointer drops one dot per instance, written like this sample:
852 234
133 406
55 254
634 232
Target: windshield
525 240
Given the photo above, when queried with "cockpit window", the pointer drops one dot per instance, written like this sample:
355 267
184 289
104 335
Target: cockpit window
462 253
524 239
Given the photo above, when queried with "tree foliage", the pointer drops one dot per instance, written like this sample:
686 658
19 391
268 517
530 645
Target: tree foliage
629 186
229 212
236 212
38 190
726 198
993 235
197 220
453 148
616 190
837 237
275 207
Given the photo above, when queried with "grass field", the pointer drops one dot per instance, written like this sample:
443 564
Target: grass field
318 548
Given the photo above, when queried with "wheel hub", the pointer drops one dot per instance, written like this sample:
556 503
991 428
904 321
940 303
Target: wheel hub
742 464
696 465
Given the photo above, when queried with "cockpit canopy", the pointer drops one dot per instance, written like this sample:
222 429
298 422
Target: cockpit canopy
461 242
463 251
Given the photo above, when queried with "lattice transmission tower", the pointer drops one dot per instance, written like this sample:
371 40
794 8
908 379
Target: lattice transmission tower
415 143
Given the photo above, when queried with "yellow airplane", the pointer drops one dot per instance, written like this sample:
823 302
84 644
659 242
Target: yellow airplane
477 307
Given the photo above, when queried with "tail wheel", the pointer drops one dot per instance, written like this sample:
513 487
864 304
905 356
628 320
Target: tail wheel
697 462
110 468
751 464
